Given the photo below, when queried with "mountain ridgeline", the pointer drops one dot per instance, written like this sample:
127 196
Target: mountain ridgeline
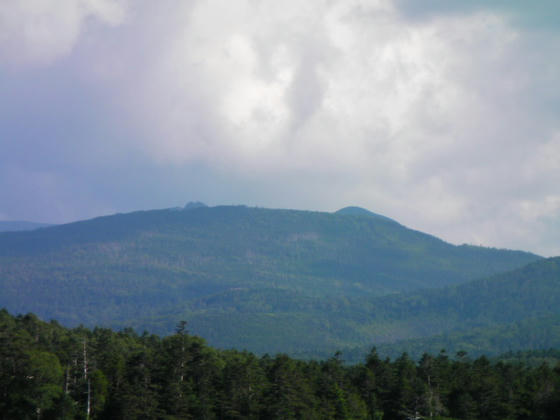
266 280
518 310
18 225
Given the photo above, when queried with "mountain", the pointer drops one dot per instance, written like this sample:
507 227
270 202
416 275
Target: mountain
18 225
359 211
278 319
194 205
527 334
268 280
518 310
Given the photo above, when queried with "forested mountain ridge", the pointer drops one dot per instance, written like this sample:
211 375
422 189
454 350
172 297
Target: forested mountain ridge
50 372
306 280
494 314
169 256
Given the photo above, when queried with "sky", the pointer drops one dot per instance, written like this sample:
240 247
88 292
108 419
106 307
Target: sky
444 116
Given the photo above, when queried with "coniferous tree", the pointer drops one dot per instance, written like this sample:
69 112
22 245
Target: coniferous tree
49 372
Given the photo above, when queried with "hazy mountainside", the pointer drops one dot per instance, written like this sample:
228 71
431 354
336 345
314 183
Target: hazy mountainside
274 320
526 334
18 225
268 280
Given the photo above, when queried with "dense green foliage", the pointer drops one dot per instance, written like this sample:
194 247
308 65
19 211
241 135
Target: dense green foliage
50 372
267 280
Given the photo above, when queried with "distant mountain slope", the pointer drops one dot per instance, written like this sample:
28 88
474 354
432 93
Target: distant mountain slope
279 320
320 253
18 225
528 292
531 334
526 334
513 311
300 278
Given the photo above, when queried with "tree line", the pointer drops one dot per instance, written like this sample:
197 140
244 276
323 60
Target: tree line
51 372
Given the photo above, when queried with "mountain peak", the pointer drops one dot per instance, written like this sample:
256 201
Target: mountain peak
360 211
194 205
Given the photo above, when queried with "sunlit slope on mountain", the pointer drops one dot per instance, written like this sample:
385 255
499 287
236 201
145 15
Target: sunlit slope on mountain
156 264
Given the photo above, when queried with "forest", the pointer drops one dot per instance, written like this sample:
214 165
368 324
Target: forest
51 372
269 280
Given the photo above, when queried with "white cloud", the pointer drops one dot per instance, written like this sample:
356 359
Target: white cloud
39 31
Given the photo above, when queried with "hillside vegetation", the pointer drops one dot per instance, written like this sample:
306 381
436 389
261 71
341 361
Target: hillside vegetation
511 311
266 280
50 372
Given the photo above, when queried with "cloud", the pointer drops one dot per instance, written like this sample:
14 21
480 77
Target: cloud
39 31
444 117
